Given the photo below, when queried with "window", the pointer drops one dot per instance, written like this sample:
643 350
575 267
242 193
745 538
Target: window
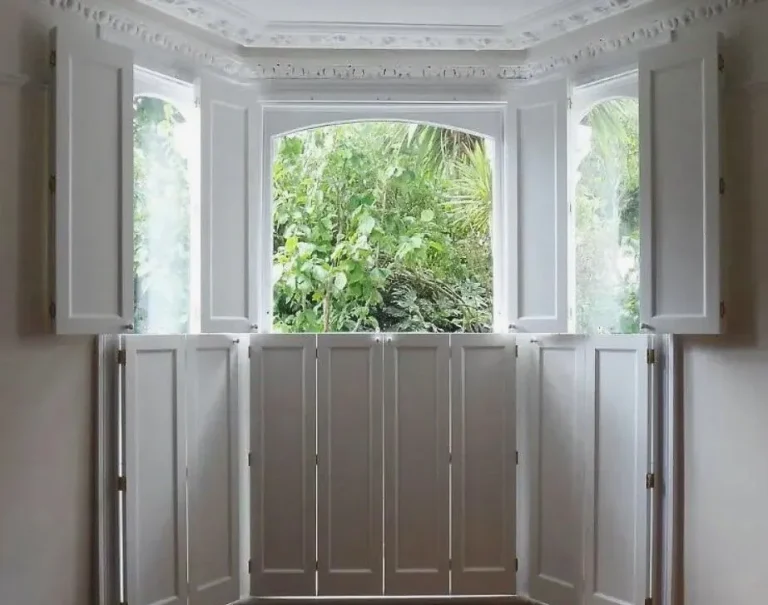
605 201
166 207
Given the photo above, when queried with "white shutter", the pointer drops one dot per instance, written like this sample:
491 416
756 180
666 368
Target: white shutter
93 182
230 177
349 428
283 464
416 447
617 561
155 465
554 462
483 464
213 492
680 187
536 141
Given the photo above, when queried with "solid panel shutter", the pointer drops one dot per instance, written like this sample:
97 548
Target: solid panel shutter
618 458
483 464
213 493
416 448
155 465
92 185
680 187
283 464
349 428
537 144
230 176
555 470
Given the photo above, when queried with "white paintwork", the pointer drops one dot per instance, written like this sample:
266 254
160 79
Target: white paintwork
283 399
230 159
617 419
556 470
349 428
483 471
213 478
679 186
536 141
155 465
416 448
92 160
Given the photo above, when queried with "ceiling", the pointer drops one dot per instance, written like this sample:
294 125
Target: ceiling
391 24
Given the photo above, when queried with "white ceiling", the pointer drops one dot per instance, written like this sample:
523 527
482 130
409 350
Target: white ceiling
395 24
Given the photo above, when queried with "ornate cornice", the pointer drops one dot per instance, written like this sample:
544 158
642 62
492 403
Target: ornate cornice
252 68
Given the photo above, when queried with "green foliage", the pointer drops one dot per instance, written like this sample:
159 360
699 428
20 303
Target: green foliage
381 226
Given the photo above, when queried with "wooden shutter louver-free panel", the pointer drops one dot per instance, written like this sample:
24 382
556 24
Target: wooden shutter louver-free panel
155 463
92 184
416 450
283 400
483 418
213 451
680 239
349 508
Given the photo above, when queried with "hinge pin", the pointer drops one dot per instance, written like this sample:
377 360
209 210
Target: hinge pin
121 357
650 356
650 481
122 483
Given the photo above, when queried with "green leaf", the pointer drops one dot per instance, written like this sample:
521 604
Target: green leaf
366 225
340 281
427 215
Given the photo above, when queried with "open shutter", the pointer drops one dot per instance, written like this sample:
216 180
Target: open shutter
155 469
416 448
212 447
349 428
617 560
680 187
283 464
537 178
554 462
92 185
230 176
483 470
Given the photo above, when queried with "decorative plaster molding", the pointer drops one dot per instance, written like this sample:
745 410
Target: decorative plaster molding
248 69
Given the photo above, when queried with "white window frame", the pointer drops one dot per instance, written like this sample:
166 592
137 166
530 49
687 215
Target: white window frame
481 118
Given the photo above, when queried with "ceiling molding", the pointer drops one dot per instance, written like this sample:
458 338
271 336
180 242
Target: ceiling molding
235 65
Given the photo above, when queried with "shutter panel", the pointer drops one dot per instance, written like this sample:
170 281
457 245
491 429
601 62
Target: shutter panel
214 528
618 457
283 465
349 508
483 468
230 176
537 146
93 183
679 185
155 465
416 447
556 471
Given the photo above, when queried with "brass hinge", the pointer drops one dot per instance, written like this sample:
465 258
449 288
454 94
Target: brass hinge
517 564
722 186
121 357
250 566
650 356
52 184
650 481
52 310
720 63
122 483
52 58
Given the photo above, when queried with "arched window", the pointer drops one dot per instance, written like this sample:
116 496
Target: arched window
605 213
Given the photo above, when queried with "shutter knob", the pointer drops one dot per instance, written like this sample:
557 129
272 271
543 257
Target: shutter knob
128 327
254 327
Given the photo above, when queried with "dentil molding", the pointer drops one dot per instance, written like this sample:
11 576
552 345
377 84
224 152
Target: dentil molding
239 67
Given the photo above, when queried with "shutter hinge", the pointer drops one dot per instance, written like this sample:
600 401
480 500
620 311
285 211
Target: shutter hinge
317 565
450 564
720 63
570 103
517 564
650 481
122 483
450 457
517 351
121 357
650 356
517 457
250 459
250 352
722 309
52 310
52 58
52 184
250 566
316 353
648 601
317 459
722 186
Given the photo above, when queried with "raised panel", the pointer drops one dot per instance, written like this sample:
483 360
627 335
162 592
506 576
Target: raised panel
483 415
680 174
556 471
536 143
416 448
230 176
349 508
283 413
92 185
618 457
155 461
213 470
